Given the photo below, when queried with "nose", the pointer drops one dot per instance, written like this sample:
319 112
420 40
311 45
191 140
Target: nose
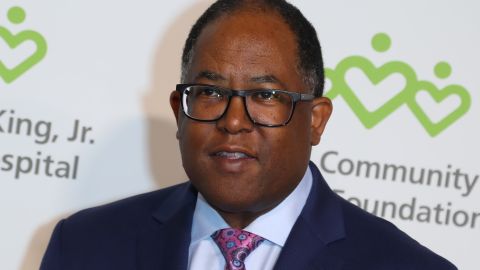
235 119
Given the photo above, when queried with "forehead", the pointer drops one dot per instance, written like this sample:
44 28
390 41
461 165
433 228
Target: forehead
246 44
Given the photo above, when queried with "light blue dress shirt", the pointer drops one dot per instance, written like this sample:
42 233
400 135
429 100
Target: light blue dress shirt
274 226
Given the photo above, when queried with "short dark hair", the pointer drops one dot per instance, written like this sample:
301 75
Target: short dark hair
310 62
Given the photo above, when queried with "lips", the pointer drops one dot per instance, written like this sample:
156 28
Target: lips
233 153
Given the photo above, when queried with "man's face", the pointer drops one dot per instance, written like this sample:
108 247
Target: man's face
247 51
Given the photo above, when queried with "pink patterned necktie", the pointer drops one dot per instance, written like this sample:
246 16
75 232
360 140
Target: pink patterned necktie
235 245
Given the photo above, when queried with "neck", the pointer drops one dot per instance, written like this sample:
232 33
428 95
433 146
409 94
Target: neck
240 220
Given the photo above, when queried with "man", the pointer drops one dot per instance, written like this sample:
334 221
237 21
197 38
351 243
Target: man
253 200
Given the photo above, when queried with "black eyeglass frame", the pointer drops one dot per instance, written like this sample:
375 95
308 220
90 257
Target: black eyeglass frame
296 97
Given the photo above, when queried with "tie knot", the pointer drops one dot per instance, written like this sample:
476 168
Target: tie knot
236 245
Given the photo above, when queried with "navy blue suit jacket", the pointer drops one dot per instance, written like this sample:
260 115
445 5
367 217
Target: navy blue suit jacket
152 231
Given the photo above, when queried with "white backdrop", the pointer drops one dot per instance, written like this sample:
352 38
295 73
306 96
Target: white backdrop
402 142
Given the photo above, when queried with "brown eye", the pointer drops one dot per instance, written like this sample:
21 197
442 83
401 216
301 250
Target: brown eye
266 96
210 92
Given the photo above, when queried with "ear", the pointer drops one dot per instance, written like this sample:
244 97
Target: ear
175 104
321 111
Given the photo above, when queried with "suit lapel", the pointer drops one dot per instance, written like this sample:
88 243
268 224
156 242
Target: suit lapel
319 224
164 242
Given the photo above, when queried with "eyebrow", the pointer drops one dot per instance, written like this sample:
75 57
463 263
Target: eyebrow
267 79
209 75
215 77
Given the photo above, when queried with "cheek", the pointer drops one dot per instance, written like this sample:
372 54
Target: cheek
300 126
191 136
286 146
296 139
190 132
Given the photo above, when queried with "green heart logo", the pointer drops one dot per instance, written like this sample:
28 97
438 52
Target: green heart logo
339 87
440 95
381 42
17 15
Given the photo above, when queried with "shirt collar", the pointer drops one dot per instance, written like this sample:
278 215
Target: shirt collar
206 220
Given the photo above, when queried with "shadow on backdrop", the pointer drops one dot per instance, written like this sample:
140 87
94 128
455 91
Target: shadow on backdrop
161 144
38 244
165 160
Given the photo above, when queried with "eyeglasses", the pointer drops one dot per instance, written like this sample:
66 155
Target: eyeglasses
264 107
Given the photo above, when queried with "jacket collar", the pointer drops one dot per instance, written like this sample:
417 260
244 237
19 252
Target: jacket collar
320 223
165 240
